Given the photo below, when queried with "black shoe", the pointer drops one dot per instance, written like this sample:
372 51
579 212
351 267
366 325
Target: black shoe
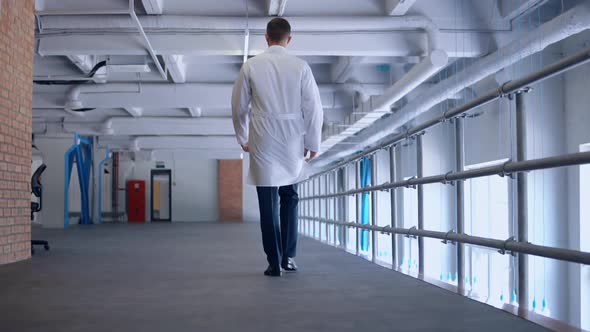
273 271
289 265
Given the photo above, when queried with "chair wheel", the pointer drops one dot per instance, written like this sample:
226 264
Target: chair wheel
46 247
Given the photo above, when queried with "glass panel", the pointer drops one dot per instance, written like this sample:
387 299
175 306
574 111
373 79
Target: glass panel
365 235
161 196
409 246
383 208
351 207
487 273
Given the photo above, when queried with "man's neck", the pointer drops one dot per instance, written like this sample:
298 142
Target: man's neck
277 44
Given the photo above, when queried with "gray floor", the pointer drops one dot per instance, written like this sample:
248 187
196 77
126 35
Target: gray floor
208 277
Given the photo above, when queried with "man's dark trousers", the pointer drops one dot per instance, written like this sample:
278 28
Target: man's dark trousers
278 222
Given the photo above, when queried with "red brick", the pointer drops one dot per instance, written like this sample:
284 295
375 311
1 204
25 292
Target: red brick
230 190
17 28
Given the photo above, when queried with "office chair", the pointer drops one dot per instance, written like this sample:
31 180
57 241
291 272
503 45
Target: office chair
37 190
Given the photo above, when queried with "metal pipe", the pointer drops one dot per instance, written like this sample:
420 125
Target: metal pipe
85 12
571 22
392 202
327 205
335 207
421 72
507 88
521 200
460 199
307 207
504 246
510 167
419 174
256 25
345 209
374 238
146 40
319 212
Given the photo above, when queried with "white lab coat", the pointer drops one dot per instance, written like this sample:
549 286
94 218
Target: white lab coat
284 118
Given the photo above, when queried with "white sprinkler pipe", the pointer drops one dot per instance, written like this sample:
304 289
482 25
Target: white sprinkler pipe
561 27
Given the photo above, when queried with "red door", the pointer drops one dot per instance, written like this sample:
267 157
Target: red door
136 201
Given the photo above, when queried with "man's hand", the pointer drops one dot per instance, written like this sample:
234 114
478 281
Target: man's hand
245 147
312 154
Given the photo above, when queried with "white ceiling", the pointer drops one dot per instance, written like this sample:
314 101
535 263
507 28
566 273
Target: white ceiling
352 62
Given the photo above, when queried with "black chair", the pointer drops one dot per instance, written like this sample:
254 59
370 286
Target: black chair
37 190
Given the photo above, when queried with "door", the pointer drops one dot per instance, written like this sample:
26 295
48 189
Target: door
161 198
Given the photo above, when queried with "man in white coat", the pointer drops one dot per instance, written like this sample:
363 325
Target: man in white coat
277 115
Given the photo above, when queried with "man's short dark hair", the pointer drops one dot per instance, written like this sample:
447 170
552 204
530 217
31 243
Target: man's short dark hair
278 29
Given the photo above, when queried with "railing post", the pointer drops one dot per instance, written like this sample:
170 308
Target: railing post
335 202
316 203
357 185
345 216
521 200
306 207
392 202
460 200
419 174
327 205
374 250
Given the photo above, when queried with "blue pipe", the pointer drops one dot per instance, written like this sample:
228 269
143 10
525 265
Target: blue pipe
81 154
68 162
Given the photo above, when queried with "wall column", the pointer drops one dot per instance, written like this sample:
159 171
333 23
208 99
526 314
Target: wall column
17 31
230 190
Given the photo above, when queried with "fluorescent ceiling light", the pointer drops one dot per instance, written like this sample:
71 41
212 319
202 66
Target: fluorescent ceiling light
144 68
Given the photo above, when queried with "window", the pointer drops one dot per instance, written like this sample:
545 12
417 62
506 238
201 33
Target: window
409 254
487 272
365 235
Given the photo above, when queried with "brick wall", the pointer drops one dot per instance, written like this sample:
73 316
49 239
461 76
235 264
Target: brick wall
230 190
17 29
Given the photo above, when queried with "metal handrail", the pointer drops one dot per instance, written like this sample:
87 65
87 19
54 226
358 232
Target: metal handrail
505 89
511 167
503 246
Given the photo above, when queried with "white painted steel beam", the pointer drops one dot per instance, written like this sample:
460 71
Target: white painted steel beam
559 28
373 44
374 108
134 111
276 7
511 9
398 7
171 142
195 112
342 71
83 62
153 126
166 95
198 35
153 7
176 67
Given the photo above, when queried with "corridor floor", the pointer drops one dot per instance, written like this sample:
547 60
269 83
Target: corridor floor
208 277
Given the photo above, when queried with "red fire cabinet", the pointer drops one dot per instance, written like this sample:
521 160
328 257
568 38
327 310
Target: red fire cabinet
136 201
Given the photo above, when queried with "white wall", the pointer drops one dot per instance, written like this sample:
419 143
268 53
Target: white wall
250 203
52 151
194 186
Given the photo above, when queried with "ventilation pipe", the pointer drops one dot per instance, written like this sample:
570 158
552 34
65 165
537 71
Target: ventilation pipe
563 26
374 108
180 23
169 95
